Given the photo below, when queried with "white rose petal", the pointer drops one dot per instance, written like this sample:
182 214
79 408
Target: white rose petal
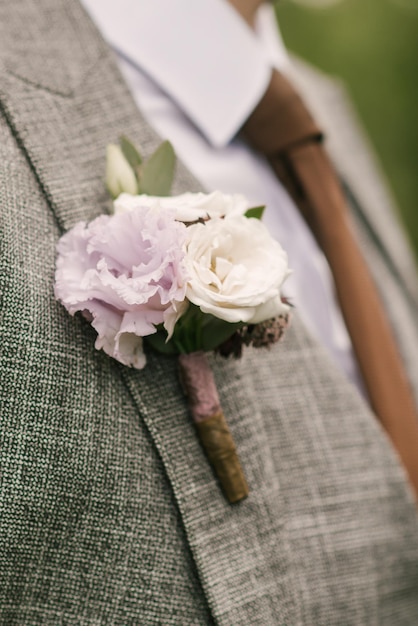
236 268
189 207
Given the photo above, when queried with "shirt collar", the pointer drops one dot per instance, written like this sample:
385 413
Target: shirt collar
201 53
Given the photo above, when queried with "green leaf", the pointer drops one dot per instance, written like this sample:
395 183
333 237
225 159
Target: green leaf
130 153
256 212
158 172
186 335
194 331
157 341
215 331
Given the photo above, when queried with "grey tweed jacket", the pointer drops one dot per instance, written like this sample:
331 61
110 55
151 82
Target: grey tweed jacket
109 511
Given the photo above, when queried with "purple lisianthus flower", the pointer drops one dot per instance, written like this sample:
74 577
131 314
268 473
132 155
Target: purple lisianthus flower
126 274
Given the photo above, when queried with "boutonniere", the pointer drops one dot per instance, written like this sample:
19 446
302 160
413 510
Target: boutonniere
185 275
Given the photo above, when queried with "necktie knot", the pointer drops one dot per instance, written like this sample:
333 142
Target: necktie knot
280 120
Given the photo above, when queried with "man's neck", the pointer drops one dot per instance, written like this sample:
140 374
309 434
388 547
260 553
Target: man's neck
247 9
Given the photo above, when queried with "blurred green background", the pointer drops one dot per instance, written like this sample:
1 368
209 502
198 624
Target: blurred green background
373 46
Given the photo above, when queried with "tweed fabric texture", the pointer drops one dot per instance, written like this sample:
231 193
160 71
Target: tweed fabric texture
80 476
110 512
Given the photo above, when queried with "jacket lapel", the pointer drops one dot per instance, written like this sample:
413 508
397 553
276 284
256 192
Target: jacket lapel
87 98
90 106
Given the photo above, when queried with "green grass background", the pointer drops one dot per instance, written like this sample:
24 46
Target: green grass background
373 46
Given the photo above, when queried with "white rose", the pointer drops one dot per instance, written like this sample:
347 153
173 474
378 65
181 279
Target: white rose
189 207
119 174
236 269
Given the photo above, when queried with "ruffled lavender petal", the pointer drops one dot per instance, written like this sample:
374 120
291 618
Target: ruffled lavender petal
124 272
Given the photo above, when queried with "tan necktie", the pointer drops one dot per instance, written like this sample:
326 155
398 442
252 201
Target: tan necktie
283 130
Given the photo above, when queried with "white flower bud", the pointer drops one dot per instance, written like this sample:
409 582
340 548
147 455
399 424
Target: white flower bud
119 174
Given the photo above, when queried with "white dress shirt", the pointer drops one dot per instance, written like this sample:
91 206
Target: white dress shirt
196 71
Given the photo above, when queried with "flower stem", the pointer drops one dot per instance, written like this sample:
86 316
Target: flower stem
212 429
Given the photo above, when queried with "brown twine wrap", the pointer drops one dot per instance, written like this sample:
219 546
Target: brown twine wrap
213 432
220 449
